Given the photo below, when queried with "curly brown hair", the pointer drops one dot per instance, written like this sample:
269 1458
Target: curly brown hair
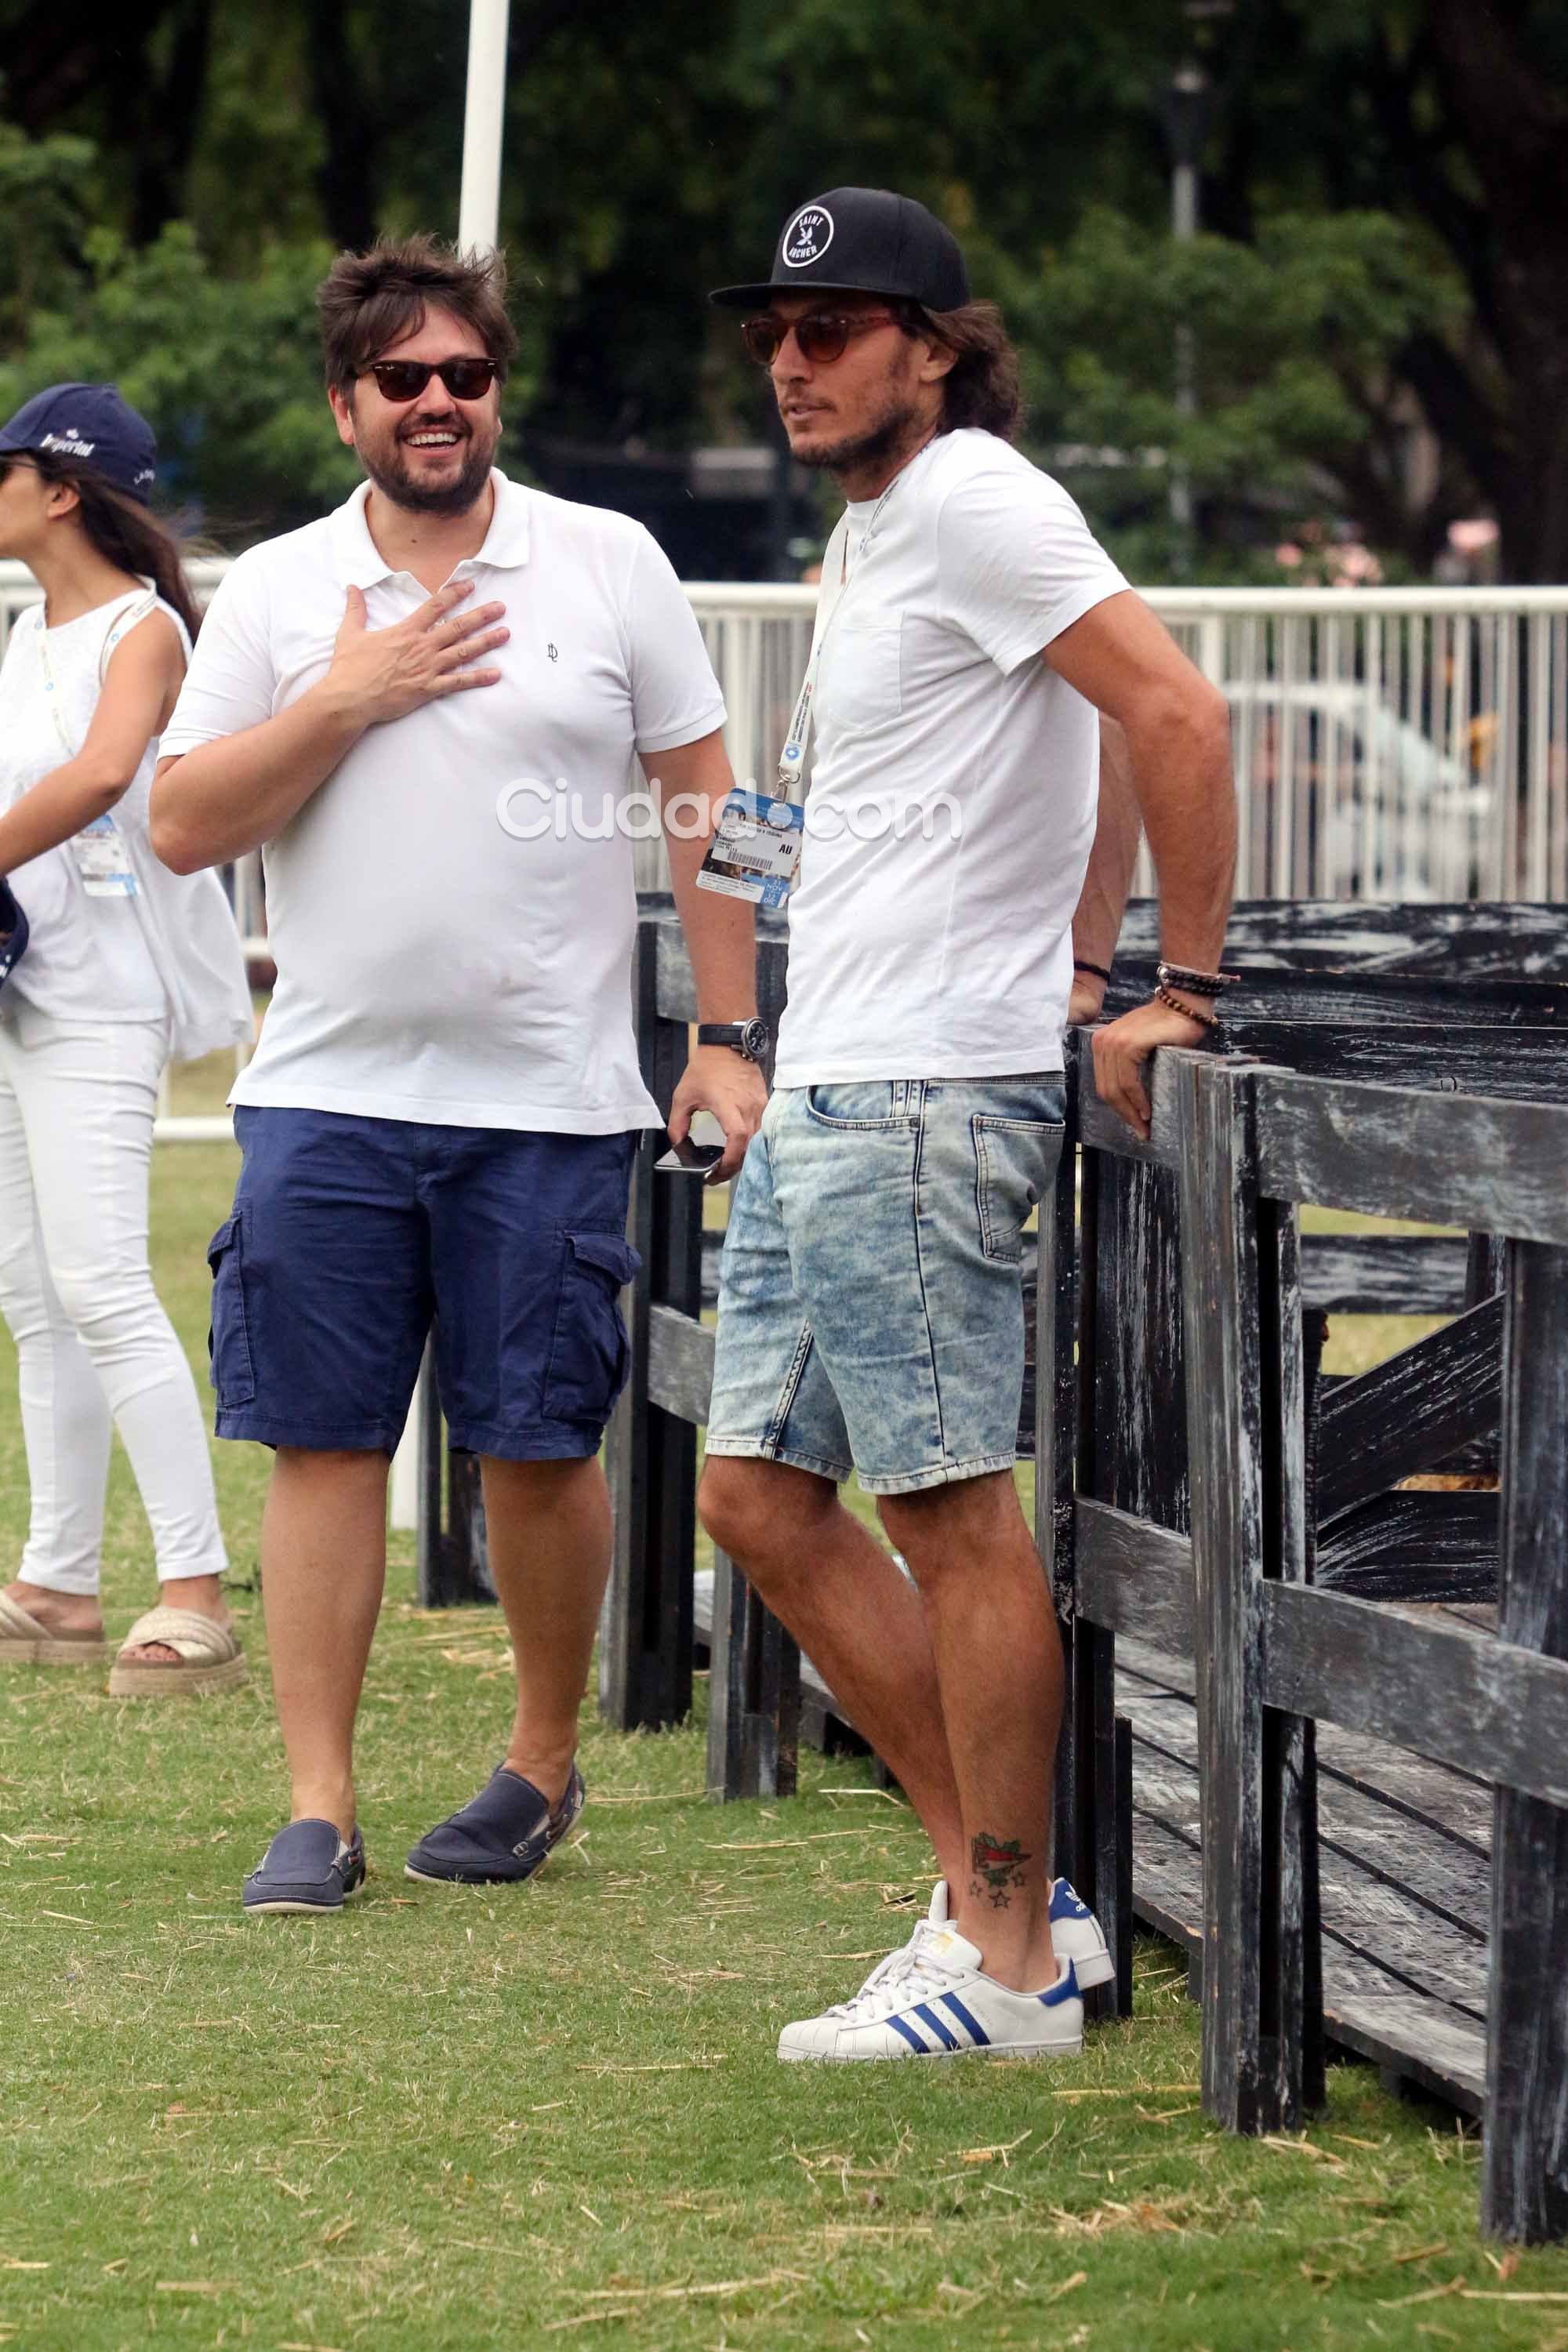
367 300
982 389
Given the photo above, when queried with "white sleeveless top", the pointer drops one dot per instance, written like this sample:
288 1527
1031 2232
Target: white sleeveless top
170 951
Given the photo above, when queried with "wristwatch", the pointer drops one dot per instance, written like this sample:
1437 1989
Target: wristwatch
750 1039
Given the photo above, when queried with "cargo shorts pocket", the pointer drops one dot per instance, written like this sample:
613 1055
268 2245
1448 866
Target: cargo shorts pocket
590 1354
1014 1160
231 1369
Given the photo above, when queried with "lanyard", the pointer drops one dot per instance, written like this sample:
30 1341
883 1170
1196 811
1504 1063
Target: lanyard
99 852
791 759
136 610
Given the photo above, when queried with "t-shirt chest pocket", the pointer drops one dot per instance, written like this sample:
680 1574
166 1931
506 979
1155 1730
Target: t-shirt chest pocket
861 682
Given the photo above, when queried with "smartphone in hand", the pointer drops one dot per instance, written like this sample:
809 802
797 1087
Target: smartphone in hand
689 1158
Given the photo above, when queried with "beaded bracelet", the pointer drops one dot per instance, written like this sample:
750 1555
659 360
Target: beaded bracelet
1188 1011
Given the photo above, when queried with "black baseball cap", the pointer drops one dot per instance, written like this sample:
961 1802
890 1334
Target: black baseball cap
866 241
89 421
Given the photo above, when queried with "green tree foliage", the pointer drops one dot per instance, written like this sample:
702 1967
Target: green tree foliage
1292 339
226 371
1386 243
41 186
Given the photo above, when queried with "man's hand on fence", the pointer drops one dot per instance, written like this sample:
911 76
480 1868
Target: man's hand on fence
1121 1052
734 1089
383 674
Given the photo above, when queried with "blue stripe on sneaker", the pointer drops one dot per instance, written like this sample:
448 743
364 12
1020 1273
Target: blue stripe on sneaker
1064 1989
910 2036
928 2016
970 2022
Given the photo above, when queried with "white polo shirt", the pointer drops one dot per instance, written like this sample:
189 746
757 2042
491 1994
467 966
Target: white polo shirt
432 965
955 780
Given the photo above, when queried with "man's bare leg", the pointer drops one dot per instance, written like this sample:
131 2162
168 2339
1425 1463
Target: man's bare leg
859 1622
549 1536
998 1661
323 1564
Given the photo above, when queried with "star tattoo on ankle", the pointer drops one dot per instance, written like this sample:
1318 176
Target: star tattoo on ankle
999 1865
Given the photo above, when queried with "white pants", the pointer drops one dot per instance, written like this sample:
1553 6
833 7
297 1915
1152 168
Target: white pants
95 1348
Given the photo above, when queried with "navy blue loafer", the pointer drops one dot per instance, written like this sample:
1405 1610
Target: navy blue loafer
504 1835
307 1867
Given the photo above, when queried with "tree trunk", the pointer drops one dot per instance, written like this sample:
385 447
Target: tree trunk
1514 124
169 113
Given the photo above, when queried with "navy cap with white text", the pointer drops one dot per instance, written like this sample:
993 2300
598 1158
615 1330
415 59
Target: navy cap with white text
866 241
92 424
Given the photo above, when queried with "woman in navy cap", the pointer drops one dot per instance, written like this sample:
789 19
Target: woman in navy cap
124 964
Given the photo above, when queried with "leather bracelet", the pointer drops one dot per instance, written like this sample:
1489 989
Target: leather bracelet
1187 1011
1081 964
1202 983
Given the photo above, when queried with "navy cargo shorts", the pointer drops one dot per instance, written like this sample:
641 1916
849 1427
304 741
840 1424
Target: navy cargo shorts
349 1236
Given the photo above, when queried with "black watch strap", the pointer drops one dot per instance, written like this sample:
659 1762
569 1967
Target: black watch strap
750 1039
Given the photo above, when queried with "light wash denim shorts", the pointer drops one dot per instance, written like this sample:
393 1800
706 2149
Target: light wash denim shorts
870 1306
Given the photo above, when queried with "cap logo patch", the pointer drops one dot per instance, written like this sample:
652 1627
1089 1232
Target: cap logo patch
69 443
808 237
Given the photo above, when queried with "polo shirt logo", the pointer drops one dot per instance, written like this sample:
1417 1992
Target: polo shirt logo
551 652
808 237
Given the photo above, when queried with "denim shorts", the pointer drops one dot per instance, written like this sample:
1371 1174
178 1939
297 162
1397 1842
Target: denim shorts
870 1309
351 1236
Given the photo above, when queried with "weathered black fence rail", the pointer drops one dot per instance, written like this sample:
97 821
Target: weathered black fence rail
647 1634
1114 1353
1277 1652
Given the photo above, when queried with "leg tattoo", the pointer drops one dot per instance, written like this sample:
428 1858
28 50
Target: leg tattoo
999 1865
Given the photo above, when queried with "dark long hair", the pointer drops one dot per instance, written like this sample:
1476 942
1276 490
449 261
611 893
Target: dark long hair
125 532
982 388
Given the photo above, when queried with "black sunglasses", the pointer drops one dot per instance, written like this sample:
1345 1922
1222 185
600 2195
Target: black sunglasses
402 380
821 336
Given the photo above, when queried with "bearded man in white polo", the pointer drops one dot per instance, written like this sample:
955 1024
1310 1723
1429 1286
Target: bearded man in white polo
441 1117
970 638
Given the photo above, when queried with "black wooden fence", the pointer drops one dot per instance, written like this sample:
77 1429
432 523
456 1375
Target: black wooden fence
1277 1652
1362 998
1200 1486
647 1634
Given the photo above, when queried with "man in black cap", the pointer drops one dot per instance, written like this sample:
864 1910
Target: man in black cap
971 634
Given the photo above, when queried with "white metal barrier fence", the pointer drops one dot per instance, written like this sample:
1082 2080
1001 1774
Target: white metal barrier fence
1403 743
1399 743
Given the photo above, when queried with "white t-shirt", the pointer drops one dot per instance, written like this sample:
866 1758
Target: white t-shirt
431 965
86 956
954 782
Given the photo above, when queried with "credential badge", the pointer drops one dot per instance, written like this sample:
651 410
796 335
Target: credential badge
808 237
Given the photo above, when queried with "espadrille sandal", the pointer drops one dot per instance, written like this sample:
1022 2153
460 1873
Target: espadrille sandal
210 1657
25 1643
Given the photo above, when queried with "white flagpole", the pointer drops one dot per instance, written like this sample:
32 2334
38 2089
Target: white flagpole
478 208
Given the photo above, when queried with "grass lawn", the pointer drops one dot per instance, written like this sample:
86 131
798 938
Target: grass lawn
456 2118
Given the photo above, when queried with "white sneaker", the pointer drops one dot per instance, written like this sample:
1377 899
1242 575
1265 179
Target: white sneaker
1076 1935
932 2000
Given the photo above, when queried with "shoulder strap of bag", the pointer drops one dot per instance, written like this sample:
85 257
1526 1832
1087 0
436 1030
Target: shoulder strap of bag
134 607
137 609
